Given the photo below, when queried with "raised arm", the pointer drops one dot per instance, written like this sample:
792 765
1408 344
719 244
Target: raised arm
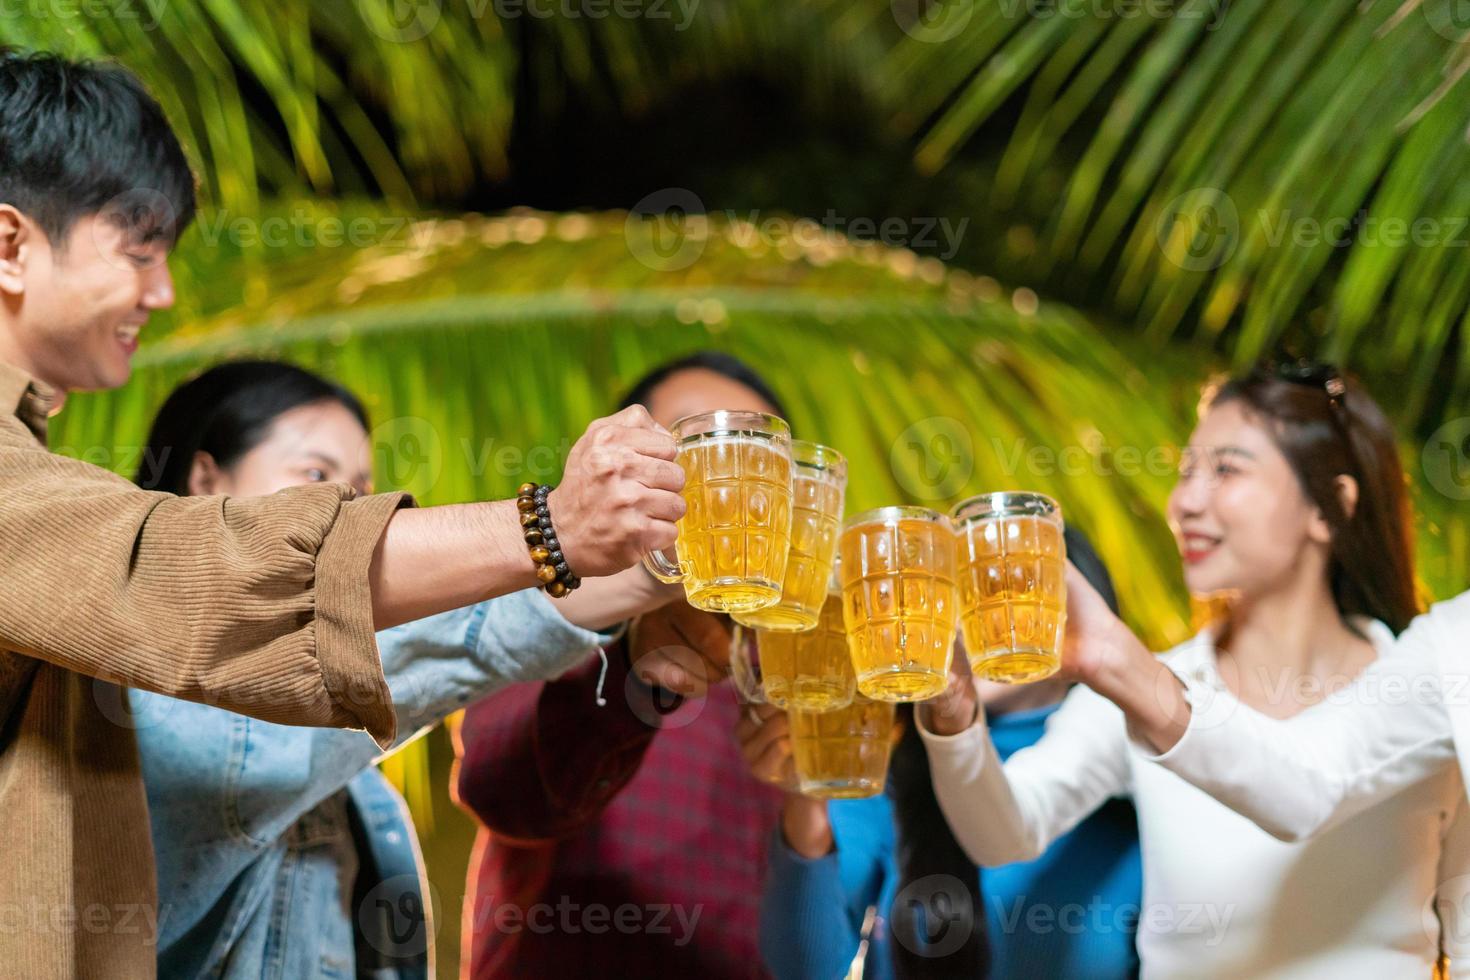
1386 731
1012 811
267 606
540 761
814 899
618 500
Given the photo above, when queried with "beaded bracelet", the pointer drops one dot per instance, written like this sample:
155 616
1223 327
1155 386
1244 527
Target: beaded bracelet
551 566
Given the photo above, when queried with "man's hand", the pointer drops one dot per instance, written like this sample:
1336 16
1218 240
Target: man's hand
680 649
764 735
619 496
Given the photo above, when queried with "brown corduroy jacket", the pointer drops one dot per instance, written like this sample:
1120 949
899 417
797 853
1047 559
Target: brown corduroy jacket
259 606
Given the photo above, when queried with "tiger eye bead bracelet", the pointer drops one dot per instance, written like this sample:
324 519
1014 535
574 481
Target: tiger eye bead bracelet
551 565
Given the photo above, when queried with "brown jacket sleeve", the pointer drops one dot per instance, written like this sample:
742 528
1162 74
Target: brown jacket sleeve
260 606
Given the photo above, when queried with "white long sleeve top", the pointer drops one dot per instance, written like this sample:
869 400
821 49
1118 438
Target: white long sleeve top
1222 897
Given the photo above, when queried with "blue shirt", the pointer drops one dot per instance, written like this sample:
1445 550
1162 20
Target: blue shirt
282 852
1070 913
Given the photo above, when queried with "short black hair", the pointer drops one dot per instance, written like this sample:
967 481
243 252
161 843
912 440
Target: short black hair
727 365
81 137
226 412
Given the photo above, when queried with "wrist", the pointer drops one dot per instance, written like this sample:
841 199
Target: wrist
951 715
505 543
805 826
1120 661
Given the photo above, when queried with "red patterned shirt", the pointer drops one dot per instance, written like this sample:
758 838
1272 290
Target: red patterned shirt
628 839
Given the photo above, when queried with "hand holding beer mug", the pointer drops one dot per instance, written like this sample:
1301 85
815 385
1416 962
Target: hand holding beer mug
810 670
897 567
736 530
818 482
1013 597
843 754
680 649
840 754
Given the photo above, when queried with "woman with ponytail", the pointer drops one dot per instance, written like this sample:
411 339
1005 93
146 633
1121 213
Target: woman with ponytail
1292 500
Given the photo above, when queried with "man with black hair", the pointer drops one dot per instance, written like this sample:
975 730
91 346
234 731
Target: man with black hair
266 606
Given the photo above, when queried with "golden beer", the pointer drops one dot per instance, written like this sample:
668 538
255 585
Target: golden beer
735 535
818 481
843 754
1013 598
811 670
897 566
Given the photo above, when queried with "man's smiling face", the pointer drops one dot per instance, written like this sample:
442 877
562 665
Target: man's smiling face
75 311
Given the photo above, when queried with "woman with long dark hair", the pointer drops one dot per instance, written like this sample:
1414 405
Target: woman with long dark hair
283 851
934 913
1292 500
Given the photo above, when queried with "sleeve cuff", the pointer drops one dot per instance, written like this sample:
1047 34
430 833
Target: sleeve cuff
959 740
563 632
347 647
785 859
1209 708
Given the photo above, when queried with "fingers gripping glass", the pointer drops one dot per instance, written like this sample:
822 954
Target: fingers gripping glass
736 531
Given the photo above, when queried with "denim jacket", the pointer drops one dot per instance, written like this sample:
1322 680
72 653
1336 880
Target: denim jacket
281 851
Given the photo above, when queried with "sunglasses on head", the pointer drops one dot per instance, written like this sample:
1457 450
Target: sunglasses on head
1321 375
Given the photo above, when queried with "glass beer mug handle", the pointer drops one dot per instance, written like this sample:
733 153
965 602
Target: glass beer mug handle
659 566
745 665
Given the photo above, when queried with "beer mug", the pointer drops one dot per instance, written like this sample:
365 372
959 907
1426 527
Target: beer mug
818 481
736 532
843 754
897 566
811 670
1013 598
